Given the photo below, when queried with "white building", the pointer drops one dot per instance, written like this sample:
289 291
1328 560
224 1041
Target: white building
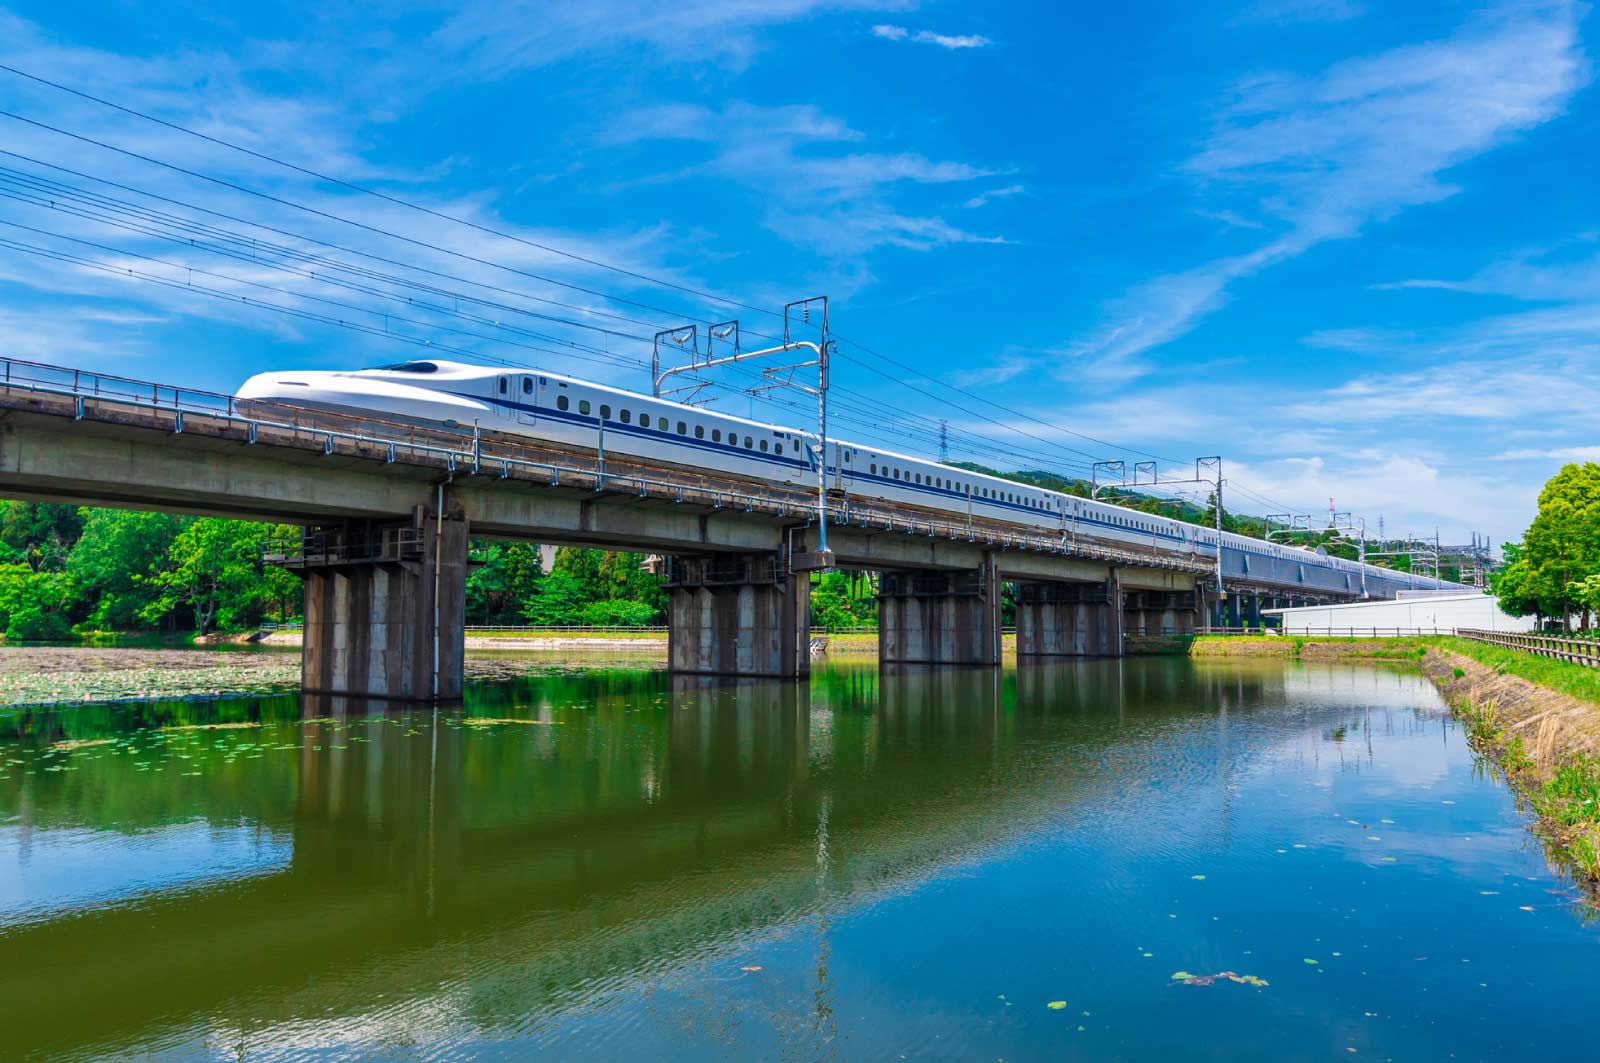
1412 613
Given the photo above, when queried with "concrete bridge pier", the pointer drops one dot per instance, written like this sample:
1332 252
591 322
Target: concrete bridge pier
1161 612
1070 619
371 628
937 616
738 615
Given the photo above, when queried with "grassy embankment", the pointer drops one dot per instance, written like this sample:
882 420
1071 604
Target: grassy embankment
1537 718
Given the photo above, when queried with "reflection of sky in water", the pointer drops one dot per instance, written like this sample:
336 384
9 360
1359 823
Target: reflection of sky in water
68 869
902 868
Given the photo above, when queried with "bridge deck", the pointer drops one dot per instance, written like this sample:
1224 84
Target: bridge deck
135 444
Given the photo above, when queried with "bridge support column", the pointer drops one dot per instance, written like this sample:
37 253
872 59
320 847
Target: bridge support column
371 629
738 615
930 616
1070 619
1160 612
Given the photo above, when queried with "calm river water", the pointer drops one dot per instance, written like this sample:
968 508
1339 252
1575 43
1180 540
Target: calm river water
610 865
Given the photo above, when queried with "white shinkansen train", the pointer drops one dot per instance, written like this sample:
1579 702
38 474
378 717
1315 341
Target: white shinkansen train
560 409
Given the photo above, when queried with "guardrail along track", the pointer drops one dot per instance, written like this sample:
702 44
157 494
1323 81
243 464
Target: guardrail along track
1578 651
39 388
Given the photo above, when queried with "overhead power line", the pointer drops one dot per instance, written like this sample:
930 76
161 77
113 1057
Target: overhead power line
500 233
513 237
386 197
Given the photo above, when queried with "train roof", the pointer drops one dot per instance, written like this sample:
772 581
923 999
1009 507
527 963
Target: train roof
440 368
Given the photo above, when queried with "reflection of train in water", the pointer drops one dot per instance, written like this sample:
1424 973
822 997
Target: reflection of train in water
565 410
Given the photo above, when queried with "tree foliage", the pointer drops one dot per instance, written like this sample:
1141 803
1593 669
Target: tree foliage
598 588
507 577
69 568
1555 570
840 599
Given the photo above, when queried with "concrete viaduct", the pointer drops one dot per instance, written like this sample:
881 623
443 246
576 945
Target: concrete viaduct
387 510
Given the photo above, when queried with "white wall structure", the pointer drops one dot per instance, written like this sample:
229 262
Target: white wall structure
1407 616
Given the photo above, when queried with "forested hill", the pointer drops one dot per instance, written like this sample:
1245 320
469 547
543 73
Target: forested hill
1188 512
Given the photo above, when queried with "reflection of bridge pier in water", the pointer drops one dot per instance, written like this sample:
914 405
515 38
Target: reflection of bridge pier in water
629 822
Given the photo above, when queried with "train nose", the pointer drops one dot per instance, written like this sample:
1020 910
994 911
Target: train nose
264 386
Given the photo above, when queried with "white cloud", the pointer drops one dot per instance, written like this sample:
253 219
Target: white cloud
1327 155
1413 494
1568 271
1557 454
993 194
499 38
317 133
814 193
950 42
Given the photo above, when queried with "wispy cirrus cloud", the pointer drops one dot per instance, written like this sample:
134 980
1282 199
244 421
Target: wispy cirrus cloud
983 198
1327 155
950 42
496 39
819 186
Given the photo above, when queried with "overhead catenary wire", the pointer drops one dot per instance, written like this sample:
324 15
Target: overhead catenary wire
386 197
69 199
187 284
497 232
536 244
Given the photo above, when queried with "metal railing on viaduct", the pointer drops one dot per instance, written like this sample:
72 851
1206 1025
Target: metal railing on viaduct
387 507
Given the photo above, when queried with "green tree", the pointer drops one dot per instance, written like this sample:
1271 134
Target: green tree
116 549
214 571
33 605
38 534
1516 588
1562 545
614 612
840 599
559 601
508 578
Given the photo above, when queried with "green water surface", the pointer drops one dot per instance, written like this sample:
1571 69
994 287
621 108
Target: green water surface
610 864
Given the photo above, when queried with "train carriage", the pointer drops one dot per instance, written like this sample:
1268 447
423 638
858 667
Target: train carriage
550 408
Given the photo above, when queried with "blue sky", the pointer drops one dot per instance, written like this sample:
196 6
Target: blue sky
1352 247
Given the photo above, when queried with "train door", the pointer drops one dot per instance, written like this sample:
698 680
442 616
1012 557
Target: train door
503 393
527 402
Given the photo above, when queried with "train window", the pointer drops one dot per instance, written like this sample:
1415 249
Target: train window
683 428
625 417
502 385
874 468
605 411
583 406
699 431
716 435
527 387
748 443
561 402
896 473
763 446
